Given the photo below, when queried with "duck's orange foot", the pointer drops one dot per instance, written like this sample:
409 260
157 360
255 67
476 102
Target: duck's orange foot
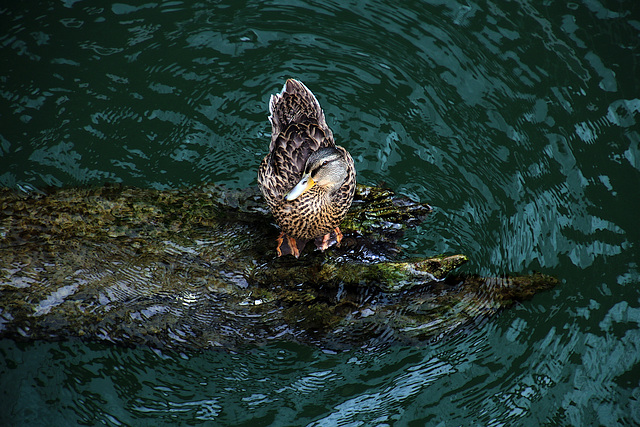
338 236
326 239
324 242
287 245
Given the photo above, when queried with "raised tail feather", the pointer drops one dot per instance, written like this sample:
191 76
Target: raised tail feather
295 104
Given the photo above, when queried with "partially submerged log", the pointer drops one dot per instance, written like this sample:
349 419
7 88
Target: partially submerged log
197 268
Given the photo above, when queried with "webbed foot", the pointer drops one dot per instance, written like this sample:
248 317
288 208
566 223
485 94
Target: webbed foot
287 245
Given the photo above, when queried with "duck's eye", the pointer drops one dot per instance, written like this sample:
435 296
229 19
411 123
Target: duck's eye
325 162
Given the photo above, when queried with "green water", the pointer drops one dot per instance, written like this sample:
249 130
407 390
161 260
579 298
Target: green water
516 120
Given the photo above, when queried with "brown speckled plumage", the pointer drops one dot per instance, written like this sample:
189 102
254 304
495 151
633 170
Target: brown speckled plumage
298 130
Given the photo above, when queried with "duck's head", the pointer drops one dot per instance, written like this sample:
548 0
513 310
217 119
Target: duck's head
325 168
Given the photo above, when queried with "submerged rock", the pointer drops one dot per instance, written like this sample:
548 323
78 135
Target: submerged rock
196 268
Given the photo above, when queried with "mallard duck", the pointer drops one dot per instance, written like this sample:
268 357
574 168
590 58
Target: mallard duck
307 180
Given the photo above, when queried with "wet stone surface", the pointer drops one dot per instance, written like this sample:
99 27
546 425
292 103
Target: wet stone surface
196 268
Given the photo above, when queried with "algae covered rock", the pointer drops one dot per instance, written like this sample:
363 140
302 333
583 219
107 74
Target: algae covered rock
196 268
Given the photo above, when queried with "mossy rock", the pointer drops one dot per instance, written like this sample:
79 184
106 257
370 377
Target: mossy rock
196 268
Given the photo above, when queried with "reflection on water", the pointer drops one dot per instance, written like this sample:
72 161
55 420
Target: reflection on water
482 377
516 120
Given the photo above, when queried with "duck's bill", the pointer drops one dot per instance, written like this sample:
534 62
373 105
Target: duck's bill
305 183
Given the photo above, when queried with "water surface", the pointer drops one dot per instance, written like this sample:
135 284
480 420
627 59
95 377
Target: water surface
517 121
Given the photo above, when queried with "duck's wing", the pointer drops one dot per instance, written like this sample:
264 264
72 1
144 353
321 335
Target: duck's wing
298 129
295 104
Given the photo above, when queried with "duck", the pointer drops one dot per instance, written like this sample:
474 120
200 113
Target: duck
307 180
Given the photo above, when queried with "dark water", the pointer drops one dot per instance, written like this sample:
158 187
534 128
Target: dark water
516 120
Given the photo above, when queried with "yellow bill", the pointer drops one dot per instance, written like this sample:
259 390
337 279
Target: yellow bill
305 183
